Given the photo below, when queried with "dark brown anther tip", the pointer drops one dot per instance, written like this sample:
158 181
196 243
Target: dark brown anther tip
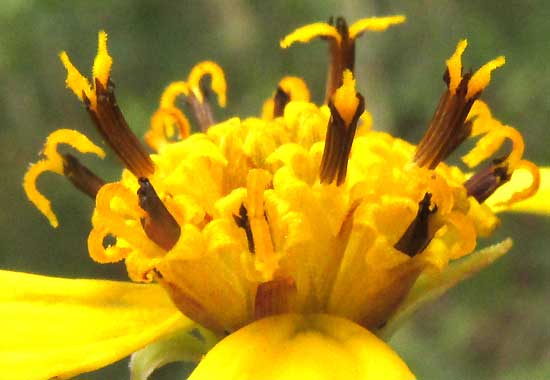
486 181
418 235
114 129
280 100
80 176
338 142
342 56
159 225
243 222
342 27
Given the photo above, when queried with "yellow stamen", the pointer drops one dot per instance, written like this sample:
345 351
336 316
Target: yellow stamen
53 162
162 127
454 66
524 167
492 141
219 86
482 76
308 32
374 24
345 98
103 61
75 80
101 71
171 92
116 205
296 87
257 181
482 118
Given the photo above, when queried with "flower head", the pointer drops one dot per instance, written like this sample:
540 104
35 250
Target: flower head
306 212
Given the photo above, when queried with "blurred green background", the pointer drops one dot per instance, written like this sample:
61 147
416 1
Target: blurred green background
495 326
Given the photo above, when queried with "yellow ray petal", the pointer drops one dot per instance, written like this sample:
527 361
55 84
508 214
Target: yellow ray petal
54 327
522 177
304 347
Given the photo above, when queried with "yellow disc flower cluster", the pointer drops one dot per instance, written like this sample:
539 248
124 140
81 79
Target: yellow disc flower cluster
306 210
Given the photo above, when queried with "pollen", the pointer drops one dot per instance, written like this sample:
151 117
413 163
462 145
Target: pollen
345 99
306 209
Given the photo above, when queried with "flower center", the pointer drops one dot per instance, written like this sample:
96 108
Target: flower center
304 210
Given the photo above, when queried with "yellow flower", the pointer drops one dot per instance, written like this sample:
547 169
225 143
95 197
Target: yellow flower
301 239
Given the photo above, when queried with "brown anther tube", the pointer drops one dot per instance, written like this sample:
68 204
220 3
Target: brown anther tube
110 122
484 183
159 225
447 129
280 100
417 236
342 57
202 111
338 142
81 177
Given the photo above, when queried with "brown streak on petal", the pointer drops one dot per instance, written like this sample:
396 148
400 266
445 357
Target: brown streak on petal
275 297
80 176
159 225
110 122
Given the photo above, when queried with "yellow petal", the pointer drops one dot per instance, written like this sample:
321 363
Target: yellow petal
304 347
53 327
537 204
